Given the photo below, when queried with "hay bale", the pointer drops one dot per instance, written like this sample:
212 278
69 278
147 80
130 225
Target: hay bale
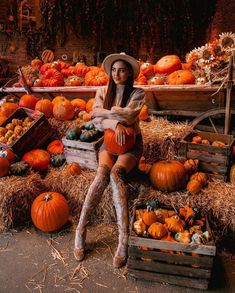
161 138
60 127
74 188
17 194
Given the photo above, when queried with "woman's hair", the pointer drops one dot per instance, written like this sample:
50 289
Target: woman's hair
111 91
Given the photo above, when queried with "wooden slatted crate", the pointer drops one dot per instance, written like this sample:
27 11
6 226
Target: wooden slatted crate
34 137
83 153
188 265
212 159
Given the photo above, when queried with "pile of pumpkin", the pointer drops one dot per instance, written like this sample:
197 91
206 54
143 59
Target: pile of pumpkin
87 133
167 70
172 175
37 159
198 140
185 225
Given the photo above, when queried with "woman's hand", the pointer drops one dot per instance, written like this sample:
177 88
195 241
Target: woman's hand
120 134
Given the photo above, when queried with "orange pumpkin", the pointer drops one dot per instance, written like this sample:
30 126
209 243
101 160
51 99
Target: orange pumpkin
194 186
28 101
81 69
8 108
55 147
181 77
38 159
201 177
45 106
141 80
149 217
73 169
84 116
59 99
157 80
2 118
73 80
96 77
168 175
49 211
147 69
36 63
89 105
68 71
191 166
144 115
167 64
8 154
175 224
63 110
4 166
218 143
52 77
113 147
78 105
197 139
44 68
157 230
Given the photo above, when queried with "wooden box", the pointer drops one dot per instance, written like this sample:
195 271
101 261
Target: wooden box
84 153
38 133
212 159
188 265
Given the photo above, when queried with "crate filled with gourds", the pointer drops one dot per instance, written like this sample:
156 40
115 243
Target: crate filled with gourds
82 145
213 150
171 245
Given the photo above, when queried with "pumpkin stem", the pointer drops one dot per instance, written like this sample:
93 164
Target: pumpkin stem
47 197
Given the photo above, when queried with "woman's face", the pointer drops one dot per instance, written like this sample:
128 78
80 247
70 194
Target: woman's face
120 72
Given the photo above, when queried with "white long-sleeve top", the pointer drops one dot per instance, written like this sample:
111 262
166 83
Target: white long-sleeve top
128 115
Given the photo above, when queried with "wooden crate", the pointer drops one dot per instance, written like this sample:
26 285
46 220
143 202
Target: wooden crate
84 153
39 132
212 160
180 268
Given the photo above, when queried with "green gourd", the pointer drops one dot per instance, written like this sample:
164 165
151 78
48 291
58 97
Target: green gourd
73 133
19 169
58 160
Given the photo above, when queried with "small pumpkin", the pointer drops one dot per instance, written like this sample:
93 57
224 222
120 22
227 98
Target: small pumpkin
157 80
58 160
89 105
183 237
194 186
4 166
73 80
89 135
191 165
201 177
113 147
205 141
73 169
96 77
157 230
144 115
147 69
197 139
218 143
19 169
149 217
38 159
162 214
139 227
59 99
181 77
45 106
78 105
8 108
141 80
168 175
55 147
49 211
175 224
73 133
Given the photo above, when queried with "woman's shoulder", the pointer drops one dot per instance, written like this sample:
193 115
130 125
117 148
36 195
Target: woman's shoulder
101 90
138 91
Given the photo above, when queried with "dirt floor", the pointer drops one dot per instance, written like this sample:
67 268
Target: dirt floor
36 262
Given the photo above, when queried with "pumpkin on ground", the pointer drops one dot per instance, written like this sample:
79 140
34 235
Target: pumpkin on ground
63 110
73 169
201 177
49 211
168 175
57 160
181 77
45 106
55 147
28 101
38 159
4 166
167 64
19 168
113 147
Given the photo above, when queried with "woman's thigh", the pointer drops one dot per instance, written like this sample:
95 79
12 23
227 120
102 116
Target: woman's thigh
127 161
105 158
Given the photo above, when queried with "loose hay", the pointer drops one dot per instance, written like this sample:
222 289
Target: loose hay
161 138
17 194
74 188
60 127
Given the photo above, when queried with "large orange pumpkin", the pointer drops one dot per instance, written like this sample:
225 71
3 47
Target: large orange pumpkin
168 175
44 68
68 71
28 101
52 77
168 64
38 159
4 166
181 77
49 211
96 77
55 147
8 108
45 106
63 110
78 105
113 147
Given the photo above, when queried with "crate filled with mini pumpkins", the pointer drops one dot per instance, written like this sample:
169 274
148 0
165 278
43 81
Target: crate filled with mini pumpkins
81 145
24 130
213 150
169 245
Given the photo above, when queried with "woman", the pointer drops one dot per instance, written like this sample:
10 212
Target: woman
115 107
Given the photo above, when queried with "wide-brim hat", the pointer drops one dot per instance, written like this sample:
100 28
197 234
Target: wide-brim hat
108 61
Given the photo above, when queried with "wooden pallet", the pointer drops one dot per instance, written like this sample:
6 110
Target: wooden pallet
213 160
83 153
190 265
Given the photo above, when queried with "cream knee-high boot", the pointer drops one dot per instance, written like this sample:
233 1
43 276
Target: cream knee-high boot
121 206
93 197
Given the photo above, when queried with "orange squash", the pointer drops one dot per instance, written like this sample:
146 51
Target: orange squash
49 211
175 224
156 80
55 147
194 186
73 169
144 115
141 79
8 108
4 166
78 105
38 159
45 106
147 69
81 69
59 99
68 71
157 230
63 110
89 105
52 78
181 77
201 177
28 101
168 64
191 166
149 217
168 175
